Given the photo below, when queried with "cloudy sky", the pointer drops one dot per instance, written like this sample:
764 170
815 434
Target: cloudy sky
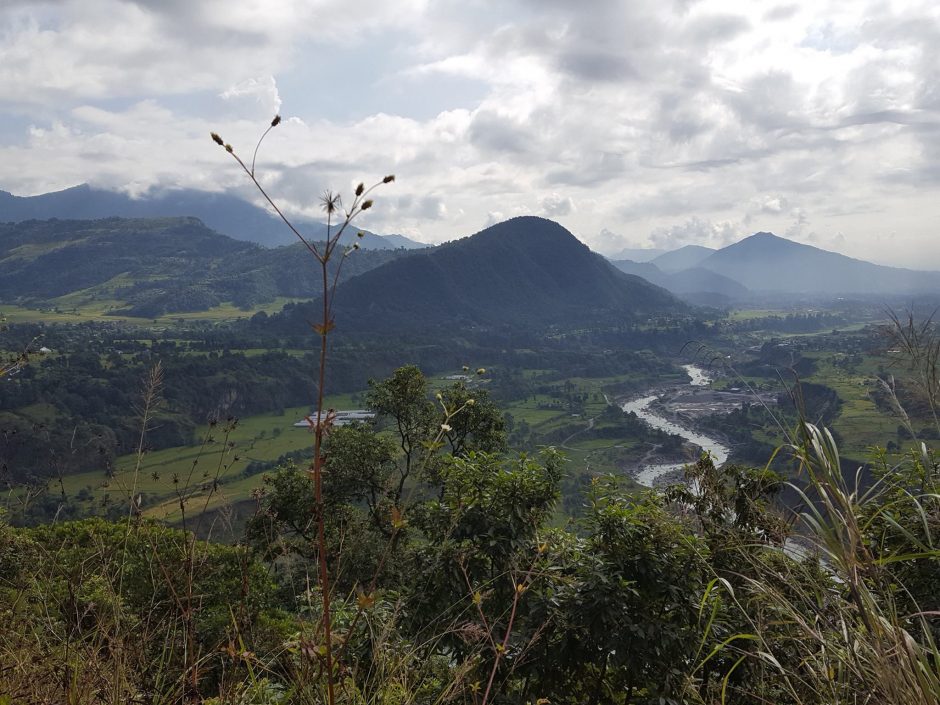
642 123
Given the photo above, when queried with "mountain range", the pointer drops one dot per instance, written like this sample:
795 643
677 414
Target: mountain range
768 263
684 258
147 267
695 284
525 270
221 212
764 263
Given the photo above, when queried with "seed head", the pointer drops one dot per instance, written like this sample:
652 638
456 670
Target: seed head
217 139
355 245
360 188
471 402
481 371
228 148
329 202
388 179
366 205
360 234
276 121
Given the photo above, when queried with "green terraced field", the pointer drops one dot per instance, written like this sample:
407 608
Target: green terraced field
860 423
191 470
75 309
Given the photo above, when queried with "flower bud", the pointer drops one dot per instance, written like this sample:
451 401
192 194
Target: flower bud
360 188
228 148
276 121
388 179
366 205
217 139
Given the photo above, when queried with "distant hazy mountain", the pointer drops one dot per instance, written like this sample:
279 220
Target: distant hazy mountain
683 258
765 262
524 271
148 267
695 285
637 254
395 240
221 212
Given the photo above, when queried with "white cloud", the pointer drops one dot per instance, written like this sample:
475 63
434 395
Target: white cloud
260 93
674 121
555 205
696 231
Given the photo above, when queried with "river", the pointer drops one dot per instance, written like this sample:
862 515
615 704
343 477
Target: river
649 474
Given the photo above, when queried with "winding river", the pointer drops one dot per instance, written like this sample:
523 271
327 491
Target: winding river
649 474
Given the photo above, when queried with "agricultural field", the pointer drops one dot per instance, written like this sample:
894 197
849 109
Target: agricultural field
75 309
861 425
210 473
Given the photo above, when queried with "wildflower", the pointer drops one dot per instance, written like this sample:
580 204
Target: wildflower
330 202
471 402
446 427
481 371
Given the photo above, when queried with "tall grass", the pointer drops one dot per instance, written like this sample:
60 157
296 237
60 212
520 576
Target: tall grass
834 622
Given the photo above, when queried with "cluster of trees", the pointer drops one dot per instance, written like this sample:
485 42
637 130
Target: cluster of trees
79 411
789 323
451 580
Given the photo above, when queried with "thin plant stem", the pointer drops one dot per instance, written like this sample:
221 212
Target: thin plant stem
322 423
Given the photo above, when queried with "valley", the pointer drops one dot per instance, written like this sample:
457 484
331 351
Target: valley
555 383
514 382
466 353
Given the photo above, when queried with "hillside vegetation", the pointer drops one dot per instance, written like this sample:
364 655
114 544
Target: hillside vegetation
525 271
150 267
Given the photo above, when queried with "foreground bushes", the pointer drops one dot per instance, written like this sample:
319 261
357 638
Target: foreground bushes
468 593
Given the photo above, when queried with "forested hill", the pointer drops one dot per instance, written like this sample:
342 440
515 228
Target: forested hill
148 267
526 271
225 213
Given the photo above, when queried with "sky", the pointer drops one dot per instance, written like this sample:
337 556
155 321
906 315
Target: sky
642 123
